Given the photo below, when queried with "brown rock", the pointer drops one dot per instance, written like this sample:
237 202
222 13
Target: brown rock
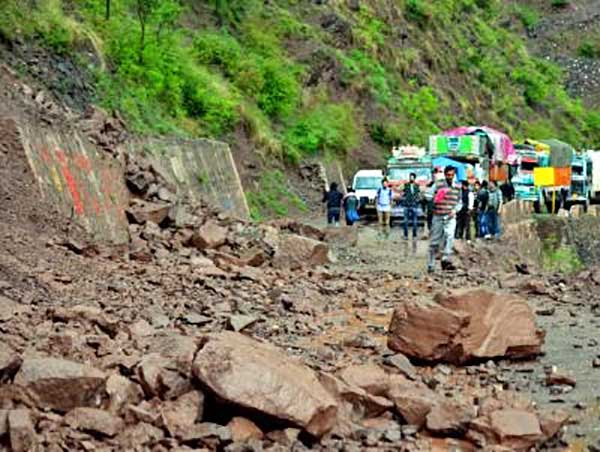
208 236
297 251
4 422
243 430
259 376
21 430
179 348
9 361
369 377
141 212
138 435
60 384
465 325
449 418
413 401
516 429
94 420
10 308
159 377
354 403
180 414
121 392
551 421
556 378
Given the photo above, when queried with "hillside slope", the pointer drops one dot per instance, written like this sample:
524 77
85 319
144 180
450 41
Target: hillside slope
284 80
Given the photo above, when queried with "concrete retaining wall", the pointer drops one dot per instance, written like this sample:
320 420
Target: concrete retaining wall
81 181
198 168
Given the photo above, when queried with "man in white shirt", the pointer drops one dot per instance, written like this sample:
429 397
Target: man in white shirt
384 206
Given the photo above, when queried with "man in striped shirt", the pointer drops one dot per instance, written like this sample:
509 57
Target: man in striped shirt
446 204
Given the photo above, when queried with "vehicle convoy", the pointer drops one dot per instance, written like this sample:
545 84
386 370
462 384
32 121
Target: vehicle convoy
580 191
528 158
594 157
404 161
366 182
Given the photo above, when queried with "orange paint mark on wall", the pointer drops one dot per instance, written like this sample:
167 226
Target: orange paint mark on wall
72 185
83 163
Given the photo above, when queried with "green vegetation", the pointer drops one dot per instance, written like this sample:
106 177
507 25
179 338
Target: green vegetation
589 49
528 16
273 197
563 259
296 87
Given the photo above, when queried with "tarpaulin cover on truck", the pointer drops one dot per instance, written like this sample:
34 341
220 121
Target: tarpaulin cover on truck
561 153
504 150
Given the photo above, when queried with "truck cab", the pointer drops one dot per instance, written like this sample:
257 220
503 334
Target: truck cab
581 181
527 160
365 184
405 161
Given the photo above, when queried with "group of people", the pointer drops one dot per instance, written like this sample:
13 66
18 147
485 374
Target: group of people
452 211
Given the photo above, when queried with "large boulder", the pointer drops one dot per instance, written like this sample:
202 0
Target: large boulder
465 325
140 212
261 377
208 236
61 384
297 251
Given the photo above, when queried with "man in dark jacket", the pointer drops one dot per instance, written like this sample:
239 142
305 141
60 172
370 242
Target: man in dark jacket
333 198
410 200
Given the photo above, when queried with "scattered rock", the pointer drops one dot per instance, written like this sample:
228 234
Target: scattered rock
296 251
465 325
94 420
21 430
60 384
243 429
259 376
208 236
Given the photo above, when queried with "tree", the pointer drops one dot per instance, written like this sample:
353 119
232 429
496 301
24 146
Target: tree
144 9
107 16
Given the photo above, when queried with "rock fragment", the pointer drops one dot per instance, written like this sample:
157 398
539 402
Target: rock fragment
61 384
465 325
259 376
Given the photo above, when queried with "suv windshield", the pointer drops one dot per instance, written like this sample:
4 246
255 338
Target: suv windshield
403 174
367 183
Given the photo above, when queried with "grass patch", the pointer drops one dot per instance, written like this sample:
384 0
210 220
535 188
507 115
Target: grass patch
272 197
563 259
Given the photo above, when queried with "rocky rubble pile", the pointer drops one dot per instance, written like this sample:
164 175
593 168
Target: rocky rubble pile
216 334
166 227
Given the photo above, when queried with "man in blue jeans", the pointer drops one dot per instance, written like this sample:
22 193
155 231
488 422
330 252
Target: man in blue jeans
410 200
494 208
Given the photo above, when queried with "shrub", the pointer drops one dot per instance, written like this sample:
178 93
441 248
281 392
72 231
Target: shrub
418 11
559 3
589 49
328 127
528 16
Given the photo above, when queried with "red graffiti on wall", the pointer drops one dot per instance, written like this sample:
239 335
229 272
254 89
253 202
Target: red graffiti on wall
70 180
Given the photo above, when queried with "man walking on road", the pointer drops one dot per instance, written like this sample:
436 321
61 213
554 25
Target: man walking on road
410 201
384 206
494 209
463 223
446 204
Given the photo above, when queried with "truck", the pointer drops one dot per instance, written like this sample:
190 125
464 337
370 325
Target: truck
404 161
594 157
365 183
580 191
528 158
472 151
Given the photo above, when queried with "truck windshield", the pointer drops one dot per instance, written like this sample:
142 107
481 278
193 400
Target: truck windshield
367 183
403 174
577 170
528 166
